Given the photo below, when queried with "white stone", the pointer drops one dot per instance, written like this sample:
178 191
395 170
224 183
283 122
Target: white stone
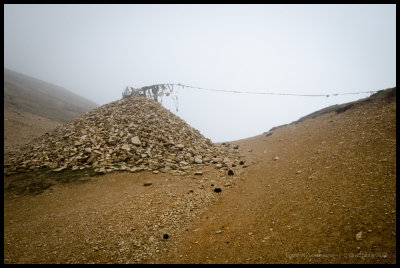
135 140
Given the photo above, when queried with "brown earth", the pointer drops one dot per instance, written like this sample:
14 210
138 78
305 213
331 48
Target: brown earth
28 94
20 127
329 197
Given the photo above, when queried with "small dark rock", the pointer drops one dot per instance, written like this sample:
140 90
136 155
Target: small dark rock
233 165
241 163
147 183
217 190
165 236
230 172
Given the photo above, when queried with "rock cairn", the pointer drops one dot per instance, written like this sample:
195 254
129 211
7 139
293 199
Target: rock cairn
131 134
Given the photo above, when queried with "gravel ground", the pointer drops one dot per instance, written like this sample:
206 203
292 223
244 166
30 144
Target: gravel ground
110 219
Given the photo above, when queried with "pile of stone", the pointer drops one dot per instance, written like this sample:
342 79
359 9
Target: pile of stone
131 134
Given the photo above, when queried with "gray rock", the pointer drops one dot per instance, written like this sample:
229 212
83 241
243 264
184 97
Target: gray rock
126 147
153 164
206 159
52 165
101 170
134 169
216 160
59 169
180 146
166 169
136 141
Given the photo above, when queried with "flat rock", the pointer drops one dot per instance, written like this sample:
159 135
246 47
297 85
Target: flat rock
59 169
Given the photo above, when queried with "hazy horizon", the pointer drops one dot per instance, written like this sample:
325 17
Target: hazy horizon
96 51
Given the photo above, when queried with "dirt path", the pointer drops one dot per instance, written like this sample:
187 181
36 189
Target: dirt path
334 177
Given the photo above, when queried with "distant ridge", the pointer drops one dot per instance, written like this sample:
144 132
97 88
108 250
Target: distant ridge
384 94
38 97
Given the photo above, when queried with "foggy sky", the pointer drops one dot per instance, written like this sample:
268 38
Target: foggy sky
98 50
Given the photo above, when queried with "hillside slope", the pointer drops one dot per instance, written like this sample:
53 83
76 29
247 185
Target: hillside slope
33 107
41 98
22 127
321 190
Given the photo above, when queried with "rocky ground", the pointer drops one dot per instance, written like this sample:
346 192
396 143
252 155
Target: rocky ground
132 134
317 191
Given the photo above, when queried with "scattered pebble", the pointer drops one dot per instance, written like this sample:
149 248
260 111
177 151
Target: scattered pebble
359 236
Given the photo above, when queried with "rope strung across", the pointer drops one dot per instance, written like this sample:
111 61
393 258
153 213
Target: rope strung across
166 89
158 91
274 93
